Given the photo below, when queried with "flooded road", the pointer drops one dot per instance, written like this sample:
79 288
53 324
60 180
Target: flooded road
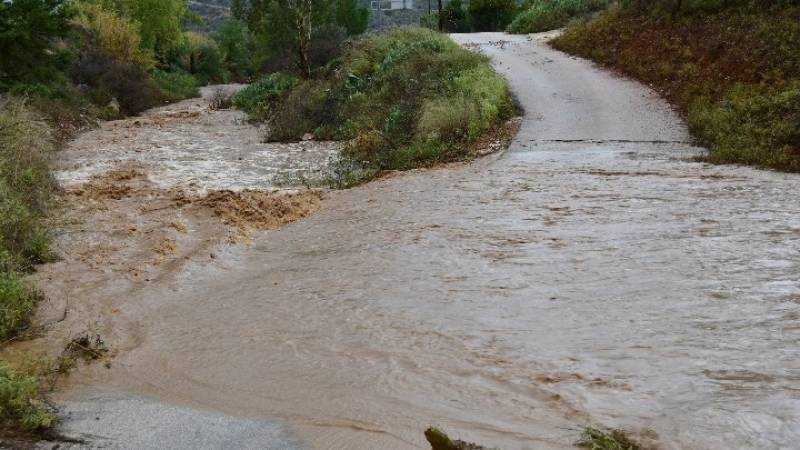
591 274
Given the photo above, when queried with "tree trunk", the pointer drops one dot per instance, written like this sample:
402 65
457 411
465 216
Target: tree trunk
304 37
441 19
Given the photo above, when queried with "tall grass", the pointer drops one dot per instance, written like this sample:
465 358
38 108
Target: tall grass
21 406
26 143
545 15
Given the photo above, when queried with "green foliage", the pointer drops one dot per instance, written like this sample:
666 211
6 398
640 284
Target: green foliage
159 21
351 16
115 35
302 36
752 125
733 67
429 21
545 15
404 99
201 57
234 41
16 304
455 18
596 439
175 85
20 400
27 28
25 184
491 15
259 98
25 187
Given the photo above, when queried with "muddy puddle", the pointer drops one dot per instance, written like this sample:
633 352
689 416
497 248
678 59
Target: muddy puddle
591 274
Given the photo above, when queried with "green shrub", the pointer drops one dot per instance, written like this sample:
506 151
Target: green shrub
26 145
257 98
752 125
351 16
20 401
234 41
16 304
491 15
545 15
201 57
27 28
455 17
176 85
403 99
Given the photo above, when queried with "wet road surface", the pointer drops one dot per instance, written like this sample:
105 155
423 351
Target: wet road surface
591 274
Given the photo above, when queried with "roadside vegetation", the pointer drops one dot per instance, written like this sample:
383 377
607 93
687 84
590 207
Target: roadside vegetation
732 67
404 99
596 439
545 15
65 65
478 15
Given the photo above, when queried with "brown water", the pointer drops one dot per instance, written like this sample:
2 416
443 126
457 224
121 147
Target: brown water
604 280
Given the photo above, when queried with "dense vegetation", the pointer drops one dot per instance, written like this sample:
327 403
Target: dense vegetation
545 15
296 36
404 99
64 65
479 15
733 68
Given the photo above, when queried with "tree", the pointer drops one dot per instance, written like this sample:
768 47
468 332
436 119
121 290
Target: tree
159 21
352 17
27 29
234 41
491 15
237 10
288 25
454 17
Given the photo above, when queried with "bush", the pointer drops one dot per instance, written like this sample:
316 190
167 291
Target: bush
404 99
114 35
545 15
174 86
352 17
258 98
20 401
27 29
491 15
234 41
25 187
109 79
752 125
201 57
16 304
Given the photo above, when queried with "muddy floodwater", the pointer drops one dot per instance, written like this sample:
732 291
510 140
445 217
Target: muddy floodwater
593 273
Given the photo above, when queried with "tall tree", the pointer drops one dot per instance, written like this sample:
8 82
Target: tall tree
160 21
27 28
290 24
352 17
237 9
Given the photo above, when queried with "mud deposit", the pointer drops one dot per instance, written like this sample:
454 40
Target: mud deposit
590 274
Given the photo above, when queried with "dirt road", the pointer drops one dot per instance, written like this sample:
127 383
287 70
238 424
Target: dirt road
590 274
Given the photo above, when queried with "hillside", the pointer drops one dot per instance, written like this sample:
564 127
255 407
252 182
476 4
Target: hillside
212 12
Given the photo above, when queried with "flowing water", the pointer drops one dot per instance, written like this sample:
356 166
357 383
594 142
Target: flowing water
591 274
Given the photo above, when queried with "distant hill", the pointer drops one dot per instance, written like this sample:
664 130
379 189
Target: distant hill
212 12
